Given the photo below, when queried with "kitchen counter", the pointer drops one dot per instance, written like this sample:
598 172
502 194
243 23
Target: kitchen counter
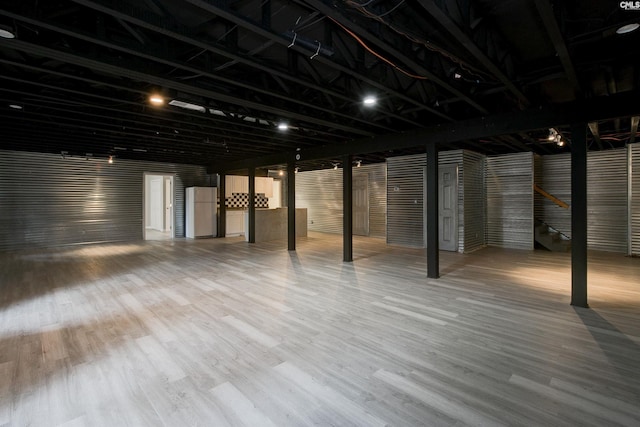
271 224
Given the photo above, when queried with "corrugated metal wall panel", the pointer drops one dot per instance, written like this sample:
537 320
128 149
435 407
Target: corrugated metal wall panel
474 196
634 198
454 158
405 187
607 207
554 177
405 197
50 201
377 198
320 192
509 180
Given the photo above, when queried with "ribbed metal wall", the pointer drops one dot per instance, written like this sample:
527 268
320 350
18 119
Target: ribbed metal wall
320 192
634 198
405 200
472 223
50 201
509 180
607 195
553 175
405 197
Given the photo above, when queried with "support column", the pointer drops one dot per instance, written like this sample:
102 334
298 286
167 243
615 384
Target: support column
222 214
347 207
579 215
433 241
252 206
291 206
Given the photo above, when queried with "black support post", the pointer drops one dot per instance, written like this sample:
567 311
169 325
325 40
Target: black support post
291 206
222 213
347 207
252 206
433 242
579 215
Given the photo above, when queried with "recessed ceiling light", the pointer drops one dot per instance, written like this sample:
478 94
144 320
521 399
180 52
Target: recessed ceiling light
283 126
369 100
156 100
628 28
15 106
6 32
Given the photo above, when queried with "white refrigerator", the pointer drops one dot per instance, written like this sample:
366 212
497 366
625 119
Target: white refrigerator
201 212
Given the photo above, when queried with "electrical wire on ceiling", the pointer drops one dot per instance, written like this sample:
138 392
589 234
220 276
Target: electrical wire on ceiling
376 54
360 7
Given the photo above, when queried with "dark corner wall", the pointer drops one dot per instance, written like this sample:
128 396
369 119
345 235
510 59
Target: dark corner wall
48 200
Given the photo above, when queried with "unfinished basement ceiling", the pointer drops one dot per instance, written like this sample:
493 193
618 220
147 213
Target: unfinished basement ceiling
78 75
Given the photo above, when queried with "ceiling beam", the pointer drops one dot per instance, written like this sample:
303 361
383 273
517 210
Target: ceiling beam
145 20
229 15
418 68
447 22
595 131
584 111
548 18
214 76
634 129
121 71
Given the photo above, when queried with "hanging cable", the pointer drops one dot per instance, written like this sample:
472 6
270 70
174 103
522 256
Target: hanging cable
376 54
432 47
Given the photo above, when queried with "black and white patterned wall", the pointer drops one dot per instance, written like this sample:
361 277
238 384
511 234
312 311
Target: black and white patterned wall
241 200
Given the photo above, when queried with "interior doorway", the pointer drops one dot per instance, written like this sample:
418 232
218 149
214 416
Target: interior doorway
447 208
158 206
361 205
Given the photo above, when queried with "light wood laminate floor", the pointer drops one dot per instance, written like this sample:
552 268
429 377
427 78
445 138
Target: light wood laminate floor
220 332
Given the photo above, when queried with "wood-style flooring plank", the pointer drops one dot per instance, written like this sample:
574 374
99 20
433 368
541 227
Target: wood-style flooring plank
226 333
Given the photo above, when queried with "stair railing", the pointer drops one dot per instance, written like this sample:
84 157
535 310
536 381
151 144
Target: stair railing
551 197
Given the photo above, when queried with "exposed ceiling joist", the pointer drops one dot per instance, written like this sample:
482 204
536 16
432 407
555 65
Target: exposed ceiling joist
548 18
594 109
595 131
453 29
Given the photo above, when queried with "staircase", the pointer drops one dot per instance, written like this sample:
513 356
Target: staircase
551 238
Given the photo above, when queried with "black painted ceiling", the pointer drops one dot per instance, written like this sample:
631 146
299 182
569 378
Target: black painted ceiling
82 72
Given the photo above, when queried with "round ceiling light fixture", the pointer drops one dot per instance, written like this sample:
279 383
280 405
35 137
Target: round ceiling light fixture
283 126
628 28
369 100
156 100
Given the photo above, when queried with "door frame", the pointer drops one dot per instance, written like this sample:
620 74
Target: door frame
146 213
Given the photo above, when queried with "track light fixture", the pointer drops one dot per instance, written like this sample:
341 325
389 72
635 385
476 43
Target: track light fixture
110 160
335 166
358 163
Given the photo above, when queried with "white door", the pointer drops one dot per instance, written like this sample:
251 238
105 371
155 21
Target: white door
168 205
448 208
156 204
361 206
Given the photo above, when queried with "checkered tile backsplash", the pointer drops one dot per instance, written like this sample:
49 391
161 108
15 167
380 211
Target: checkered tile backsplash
241 200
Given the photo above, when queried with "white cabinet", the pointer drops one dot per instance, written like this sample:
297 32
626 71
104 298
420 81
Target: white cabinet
236 184
264 185
240 184
235 223
200 212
